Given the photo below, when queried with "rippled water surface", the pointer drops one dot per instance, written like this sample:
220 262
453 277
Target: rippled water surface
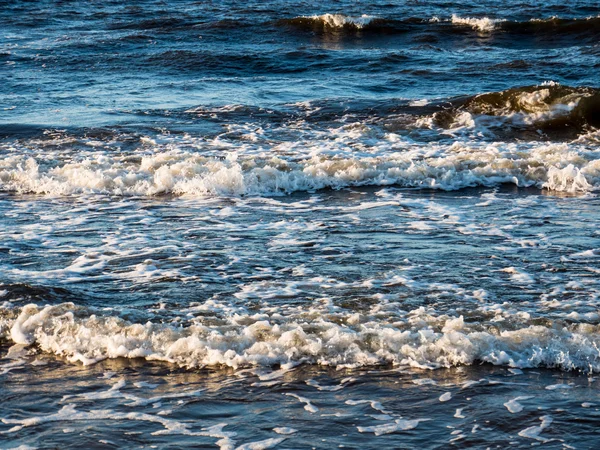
299 224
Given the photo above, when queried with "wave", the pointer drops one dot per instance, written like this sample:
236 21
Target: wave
551 108
553 26
340 22
545 102
561 112
420 339
335 21
308 147
560 167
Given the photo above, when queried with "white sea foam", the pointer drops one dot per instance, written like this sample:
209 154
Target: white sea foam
340 20
514 406
553 387
483 24
115 392
285 430
559 167
308 405
420 339
397 425
445 397
424 381
587 254
420 102
261 445
373 403
68 413
313 383
534 432
519 276
567 179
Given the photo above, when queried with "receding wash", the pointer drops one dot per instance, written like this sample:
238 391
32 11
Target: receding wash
299 224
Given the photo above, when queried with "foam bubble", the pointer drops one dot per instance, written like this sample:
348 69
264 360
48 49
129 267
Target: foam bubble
458 414
554 387
308 405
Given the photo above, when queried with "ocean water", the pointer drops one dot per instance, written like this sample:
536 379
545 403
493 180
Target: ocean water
299 224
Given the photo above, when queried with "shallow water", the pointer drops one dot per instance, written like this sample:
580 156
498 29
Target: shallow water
299 225
120 403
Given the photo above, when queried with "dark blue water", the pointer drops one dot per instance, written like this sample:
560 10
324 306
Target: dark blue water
299 224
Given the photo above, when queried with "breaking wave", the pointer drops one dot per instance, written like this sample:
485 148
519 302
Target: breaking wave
555 26
555 166
333 21
420 339
482 24
549 100
552 108
372 151
340 22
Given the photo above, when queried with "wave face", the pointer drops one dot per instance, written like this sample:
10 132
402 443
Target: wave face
577 104
586 27
551 108
484 24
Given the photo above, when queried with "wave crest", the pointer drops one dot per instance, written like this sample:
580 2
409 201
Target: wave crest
483 24
334 21
341 23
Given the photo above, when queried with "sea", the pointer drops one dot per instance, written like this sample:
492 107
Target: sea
299 224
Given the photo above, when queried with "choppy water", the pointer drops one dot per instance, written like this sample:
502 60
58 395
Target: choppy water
299 224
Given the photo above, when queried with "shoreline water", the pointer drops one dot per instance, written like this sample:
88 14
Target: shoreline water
299 224
156 403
